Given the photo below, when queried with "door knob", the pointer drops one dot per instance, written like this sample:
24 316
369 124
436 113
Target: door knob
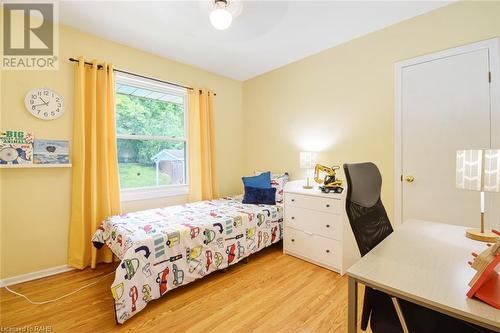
409 179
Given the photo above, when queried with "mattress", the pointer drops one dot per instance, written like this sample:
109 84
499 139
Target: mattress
162 249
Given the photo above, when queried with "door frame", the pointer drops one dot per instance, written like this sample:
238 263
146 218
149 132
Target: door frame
492 45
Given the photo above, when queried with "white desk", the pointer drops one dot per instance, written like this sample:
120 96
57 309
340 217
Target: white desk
424 263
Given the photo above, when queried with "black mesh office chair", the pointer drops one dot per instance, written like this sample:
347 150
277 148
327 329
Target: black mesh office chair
370 225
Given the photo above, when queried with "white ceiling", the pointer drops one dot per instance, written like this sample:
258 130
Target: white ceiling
264 36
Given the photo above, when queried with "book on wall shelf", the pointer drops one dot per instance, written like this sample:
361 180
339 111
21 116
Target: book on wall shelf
16 147
19 150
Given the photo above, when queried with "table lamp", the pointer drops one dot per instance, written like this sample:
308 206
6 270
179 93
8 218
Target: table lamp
479 170
308 162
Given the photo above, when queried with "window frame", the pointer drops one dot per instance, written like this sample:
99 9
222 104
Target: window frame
162 191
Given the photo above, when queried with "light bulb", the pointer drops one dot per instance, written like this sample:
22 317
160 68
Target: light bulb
221 19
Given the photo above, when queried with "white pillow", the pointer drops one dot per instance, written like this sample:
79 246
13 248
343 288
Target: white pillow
278 181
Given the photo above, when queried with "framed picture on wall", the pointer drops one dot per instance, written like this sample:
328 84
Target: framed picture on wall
51 152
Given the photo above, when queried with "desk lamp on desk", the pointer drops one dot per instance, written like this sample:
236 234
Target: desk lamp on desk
479 170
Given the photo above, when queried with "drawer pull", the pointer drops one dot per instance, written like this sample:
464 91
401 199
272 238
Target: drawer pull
327 251
293 217
293 240
327 205
328 226
293 200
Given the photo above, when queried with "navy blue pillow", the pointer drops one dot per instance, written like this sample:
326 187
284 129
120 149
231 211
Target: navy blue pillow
255 195
261 181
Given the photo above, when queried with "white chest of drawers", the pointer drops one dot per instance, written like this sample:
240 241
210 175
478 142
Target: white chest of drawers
317 229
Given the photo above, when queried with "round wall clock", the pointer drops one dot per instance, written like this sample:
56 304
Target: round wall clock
44 103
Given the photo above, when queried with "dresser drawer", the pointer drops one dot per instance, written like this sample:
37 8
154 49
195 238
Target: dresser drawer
323 250
328 205
313 221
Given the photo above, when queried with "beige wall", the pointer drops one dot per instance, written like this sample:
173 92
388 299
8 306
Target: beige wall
35 202
340 102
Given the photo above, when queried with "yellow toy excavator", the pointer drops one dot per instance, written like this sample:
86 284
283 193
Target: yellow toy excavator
331 184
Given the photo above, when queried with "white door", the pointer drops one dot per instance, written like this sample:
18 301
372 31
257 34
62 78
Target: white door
445 106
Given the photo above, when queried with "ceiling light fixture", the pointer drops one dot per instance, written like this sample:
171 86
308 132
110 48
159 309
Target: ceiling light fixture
220 17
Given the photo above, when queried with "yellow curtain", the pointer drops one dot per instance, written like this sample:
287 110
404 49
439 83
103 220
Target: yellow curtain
95 185
201 146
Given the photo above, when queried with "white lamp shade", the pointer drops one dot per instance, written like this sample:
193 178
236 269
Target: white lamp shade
307 160
469 169
491 181
478 170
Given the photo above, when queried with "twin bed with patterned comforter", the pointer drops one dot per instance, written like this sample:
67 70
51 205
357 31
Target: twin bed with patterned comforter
162 249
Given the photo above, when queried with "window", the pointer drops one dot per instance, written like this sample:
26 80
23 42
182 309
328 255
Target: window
151 138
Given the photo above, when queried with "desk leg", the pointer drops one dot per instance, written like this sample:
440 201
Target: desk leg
352 306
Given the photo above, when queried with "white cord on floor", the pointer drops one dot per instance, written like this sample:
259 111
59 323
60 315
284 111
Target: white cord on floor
61 297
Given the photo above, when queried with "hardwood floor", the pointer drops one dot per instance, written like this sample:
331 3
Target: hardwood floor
272 293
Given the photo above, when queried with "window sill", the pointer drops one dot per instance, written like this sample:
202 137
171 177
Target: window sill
146 193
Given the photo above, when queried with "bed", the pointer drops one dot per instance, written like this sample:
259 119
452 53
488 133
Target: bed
162 249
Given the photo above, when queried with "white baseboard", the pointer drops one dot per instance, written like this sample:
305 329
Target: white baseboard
35 275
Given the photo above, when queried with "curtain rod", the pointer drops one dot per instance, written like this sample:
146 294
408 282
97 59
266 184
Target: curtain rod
138 75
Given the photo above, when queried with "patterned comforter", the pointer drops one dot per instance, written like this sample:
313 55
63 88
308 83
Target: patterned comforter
162 249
